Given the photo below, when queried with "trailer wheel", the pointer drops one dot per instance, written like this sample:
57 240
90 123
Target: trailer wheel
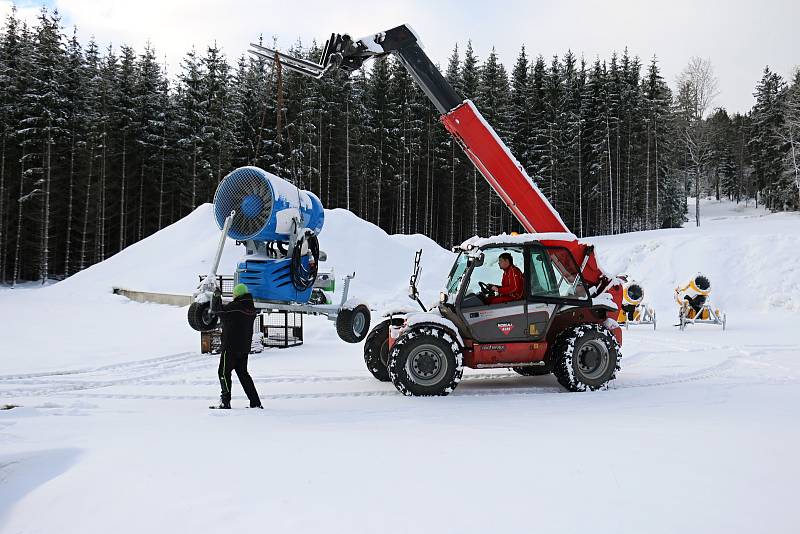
422 363
201 318
534 370
376 349
586 358
353 325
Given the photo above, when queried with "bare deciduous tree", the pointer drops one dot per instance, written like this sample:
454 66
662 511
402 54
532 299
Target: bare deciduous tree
699 76
698 87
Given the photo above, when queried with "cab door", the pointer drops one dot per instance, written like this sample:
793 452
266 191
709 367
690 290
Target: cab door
553 283
497 323
541 290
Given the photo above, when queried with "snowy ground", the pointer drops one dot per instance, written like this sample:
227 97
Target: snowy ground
698 434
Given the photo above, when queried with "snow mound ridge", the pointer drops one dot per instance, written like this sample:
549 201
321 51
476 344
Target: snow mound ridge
170 260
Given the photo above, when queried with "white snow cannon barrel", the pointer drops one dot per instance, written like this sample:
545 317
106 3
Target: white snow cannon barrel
696 291
278 223
266 206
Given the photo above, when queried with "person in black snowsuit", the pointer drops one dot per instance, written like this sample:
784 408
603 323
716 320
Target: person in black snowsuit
237 336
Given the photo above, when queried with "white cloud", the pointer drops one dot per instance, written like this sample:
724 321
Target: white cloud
26 13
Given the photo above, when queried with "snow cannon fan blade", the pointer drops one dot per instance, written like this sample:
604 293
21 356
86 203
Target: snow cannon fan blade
701 285
635 292
265 206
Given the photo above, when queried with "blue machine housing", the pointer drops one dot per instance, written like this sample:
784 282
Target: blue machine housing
267 208
271 280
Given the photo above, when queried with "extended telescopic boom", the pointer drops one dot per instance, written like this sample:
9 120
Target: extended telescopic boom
460 117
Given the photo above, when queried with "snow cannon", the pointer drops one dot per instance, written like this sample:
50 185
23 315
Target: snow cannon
695 306
278 224
633 309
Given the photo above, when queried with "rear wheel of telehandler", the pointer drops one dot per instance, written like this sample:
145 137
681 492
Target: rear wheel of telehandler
586 357
353 325
376 349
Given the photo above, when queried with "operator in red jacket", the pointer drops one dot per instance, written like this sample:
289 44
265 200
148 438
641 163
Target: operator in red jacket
513 285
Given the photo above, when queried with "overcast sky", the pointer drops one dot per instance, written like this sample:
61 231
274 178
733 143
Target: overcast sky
739 37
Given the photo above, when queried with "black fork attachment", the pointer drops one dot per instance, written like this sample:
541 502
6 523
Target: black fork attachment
342 52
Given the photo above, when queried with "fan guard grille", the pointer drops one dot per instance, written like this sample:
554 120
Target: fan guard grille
247 191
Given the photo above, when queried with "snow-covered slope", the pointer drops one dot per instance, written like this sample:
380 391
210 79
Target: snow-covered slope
749 255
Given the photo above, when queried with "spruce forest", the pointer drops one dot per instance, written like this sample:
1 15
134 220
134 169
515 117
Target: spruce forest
100 148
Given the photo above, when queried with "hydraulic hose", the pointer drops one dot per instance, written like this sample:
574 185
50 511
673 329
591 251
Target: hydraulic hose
303 277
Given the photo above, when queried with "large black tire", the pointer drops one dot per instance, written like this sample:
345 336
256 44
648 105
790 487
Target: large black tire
586 358
425 361
376 349
201 318
353 325
535 370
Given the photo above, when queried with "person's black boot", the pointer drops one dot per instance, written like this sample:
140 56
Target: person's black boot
257 406
224 404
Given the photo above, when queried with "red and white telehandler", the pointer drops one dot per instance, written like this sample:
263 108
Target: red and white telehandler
563 323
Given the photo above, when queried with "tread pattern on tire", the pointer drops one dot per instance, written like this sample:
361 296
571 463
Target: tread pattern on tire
344 324
564 351
372 349
195 317
438 332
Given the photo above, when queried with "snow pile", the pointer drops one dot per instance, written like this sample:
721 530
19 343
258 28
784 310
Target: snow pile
82 322
171 260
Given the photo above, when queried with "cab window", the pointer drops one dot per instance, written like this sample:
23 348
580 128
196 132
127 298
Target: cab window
554 274
490 272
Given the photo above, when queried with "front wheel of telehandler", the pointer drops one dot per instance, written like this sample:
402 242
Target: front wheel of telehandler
586 358
423 363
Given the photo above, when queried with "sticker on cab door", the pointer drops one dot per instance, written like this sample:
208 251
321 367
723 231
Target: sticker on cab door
505 328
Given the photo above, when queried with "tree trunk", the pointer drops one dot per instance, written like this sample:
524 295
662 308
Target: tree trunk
655 169
647 184
380 176
16 273
697 195
3 211
347 154
45 262
84 239
161 190
194 174
610 179
474 202
580 182
122 191
139 217
68 245
103 197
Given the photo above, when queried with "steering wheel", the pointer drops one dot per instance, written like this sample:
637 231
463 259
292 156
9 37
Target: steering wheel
486 292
